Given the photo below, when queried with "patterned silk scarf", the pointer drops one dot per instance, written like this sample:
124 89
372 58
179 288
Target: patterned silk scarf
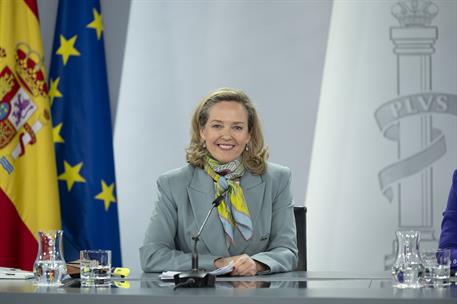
233 210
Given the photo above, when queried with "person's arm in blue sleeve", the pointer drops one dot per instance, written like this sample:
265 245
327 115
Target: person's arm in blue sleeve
448 237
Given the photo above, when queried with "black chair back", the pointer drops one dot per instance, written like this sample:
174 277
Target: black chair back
300 223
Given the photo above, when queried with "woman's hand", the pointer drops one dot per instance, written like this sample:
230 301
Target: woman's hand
221 262
243 265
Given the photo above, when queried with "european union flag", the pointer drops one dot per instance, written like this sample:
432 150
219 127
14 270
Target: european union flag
82 131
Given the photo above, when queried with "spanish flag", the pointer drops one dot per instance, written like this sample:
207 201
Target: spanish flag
28 177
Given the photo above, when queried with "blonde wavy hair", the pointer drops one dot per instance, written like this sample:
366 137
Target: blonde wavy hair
254 157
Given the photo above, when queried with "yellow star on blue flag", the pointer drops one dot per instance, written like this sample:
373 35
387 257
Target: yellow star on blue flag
67 48
106 195
71 175
97 23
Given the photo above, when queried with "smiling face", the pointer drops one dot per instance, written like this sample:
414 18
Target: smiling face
226 132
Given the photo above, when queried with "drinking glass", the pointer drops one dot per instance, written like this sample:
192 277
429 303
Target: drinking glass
95 266
437 264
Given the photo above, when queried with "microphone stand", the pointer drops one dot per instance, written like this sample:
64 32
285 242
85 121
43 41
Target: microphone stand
198 277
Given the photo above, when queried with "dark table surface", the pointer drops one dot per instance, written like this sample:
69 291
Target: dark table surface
293 287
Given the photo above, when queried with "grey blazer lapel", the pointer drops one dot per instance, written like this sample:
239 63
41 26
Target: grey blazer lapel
254 190
201 193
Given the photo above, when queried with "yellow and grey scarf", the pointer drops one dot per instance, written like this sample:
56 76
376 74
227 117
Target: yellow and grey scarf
233 210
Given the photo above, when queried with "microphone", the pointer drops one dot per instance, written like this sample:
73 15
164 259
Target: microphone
198 277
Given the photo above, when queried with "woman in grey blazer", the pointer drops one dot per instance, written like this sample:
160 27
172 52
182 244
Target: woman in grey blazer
254 225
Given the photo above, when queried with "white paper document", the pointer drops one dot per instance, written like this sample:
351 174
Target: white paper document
223 270
168 275
15 274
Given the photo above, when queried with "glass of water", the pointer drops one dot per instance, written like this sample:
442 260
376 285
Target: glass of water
95 266
437 264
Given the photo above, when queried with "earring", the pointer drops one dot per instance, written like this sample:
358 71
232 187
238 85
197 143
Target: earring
246 148
204 144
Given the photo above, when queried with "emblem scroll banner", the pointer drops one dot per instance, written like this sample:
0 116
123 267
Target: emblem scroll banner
411 165
392 111
388 117
28 196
